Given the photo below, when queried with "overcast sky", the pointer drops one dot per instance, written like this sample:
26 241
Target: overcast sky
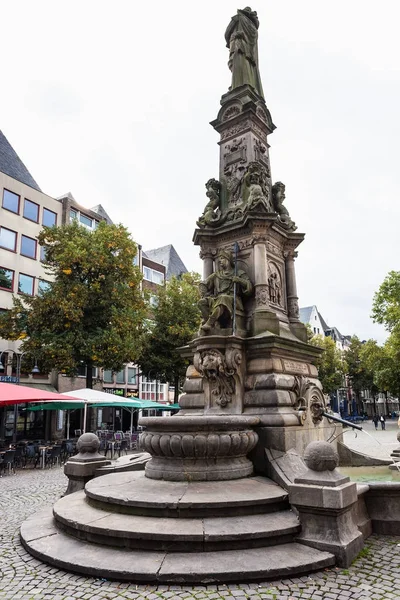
112 100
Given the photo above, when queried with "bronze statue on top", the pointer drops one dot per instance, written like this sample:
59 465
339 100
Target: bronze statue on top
241 39
217 302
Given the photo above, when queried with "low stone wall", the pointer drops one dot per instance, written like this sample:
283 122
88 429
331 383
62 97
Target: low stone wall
383 505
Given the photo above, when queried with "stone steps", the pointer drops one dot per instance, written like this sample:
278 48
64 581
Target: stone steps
80 519
133 493
46 542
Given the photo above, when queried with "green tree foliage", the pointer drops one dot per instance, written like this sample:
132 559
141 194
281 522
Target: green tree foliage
330 365
93 310
384 363
362 376
386 303
175 321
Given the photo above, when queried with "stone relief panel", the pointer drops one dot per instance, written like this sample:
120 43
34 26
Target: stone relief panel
262 296
275 284
231 111
293 308
222 372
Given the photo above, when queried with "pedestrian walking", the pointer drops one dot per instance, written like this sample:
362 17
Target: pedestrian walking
398 422
382 420
375 421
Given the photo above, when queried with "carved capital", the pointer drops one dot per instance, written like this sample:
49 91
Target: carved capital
207 252
290 254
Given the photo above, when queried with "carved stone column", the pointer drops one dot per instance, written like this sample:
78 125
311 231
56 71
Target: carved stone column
264 318
207 256
292 298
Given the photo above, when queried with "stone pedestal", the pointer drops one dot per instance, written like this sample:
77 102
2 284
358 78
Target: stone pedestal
81 468
325 503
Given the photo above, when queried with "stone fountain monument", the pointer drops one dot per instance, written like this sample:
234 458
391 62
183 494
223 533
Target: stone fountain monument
213 502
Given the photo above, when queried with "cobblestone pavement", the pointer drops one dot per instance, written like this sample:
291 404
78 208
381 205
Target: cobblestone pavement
375 574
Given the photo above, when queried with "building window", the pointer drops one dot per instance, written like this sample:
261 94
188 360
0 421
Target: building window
8 239
6 279
11 201
43 286
28 246
132 374
73 214
152 275
120 376
26 284
315 330
31 210
49 218
81 371
87 221
108 376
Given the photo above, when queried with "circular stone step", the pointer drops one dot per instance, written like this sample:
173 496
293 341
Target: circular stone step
78 518
133 493
44 541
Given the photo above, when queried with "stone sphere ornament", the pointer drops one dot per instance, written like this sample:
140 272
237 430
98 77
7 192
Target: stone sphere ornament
88 443
321 456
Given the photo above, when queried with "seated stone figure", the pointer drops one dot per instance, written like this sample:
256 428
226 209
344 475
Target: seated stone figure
212 214
217 290
278 196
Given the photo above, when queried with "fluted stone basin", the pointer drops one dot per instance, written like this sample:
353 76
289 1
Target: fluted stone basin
199 448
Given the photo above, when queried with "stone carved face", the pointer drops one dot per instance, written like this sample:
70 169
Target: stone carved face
223 263
212 365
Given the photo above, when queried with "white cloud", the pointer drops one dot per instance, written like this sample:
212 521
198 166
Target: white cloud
112 101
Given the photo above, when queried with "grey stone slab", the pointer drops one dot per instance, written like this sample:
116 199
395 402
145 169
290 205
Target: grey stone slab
134 489
41 524
254 526
68 553
243 565
75 512
240 492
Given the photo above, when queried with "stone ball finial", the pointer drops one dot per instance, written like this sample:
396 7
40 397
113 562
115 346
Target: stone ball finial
88 443
398 437
321 456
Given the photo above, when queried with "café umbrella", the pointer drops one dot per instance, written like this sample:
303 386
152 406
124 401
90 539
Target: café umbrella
11 393
78 399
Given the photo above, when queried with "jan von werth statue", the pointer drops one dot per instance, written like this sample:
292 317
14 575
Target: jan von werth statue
241 38
222 293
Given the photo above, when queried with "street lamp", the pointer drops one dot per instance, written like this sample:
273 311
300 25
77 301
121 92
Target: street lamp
18 358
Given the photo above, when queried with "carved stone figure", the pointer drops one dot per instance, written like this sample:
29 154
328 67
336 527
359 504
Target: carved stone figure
217 290
212 214
241 38
256 188
275 292
278 196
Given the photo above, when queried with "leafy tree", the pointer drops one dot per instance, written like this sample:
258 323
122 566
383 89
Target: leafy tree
360 373
92 312
176 320
386 303
331 366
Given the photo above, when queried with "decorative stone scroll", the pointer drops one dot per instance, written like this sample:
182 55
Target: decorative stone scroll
309 400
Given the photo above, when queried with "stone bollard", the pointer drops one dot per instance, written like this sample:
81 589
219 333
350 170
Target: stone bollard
81 468
324 500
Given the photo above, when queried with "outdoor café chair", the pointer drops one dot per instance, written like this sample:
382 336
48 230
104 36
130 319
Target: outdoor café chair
53 456
8 461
